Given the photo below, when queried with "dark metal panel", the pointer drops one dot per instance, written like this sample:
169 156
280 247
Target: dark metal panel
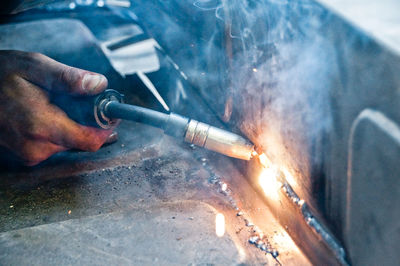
294 77
373 194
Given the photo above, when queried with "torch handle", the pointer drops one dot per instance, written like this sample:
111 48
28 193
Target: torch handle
79 109
88 110
172 124
106 109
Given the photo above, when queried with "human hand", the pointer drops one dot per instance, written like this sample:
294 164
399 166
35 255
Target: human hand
30 126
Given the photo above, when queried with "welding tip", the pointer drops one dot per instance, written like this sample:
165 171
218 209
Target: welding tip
109 108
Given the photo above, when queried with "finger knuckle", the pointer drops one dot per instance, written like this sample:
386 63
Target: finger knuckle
28 152
64 73
8 80
34 56
36 132
34 127
68 79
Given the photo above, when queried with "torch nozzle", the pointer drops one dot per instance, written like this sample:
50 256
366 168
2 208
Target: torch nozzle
219 140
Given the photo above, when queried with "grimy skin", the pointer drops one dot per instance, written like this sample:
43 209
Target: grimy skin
30 126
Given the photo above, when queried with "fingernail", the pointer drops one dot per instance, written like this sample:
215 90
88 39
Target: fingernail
113 137
91 81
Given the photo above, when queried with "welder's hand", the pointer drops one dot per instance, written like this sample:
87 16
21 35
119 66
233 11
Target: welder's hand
32 127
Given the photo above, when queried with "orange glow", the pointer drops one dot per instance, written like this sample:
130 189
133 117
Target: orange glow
269 182
268 178
266 162
283 240
220 225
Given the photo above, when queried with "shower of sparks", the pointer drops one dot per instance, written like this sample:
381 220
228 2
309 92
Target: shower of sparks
220 225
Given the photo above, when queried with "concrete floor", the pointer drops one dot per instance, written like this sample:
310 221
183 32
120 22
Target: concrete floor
169 233
147 199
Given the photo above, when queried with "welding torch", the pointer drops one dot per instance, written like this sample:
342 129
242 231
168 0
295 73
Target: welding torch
108 108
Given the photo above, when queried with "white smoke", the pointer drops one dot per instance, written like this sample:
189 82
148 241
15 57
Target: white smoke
281 71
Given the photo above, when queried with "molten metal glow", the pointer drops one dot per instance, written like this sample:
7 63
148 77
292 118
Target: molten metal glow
264 160
220 225
268 178
269 182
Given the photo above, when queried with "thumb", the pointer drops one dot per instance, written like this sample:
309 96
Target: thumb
77 81
55 76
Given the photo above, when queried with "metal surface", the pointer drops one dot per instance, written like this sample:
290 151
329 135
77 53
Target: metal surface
373 193
377 19
296 78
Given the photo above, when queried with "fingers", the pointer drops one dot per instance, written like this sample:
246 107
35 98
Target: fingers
68 133
86 138
34 152
31 126
55 76
113 137
58 135
61 134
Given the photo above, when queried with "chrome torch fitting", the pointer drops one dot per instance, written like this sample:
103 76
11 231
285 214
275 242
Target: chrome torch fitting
100 106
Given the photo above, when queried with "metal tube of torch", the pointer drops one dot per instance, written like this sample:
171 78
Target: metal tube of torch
192 131
219 140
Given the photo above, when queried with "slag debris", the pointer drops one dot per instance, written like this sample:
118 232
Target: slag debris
274 253
248 223
253 239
